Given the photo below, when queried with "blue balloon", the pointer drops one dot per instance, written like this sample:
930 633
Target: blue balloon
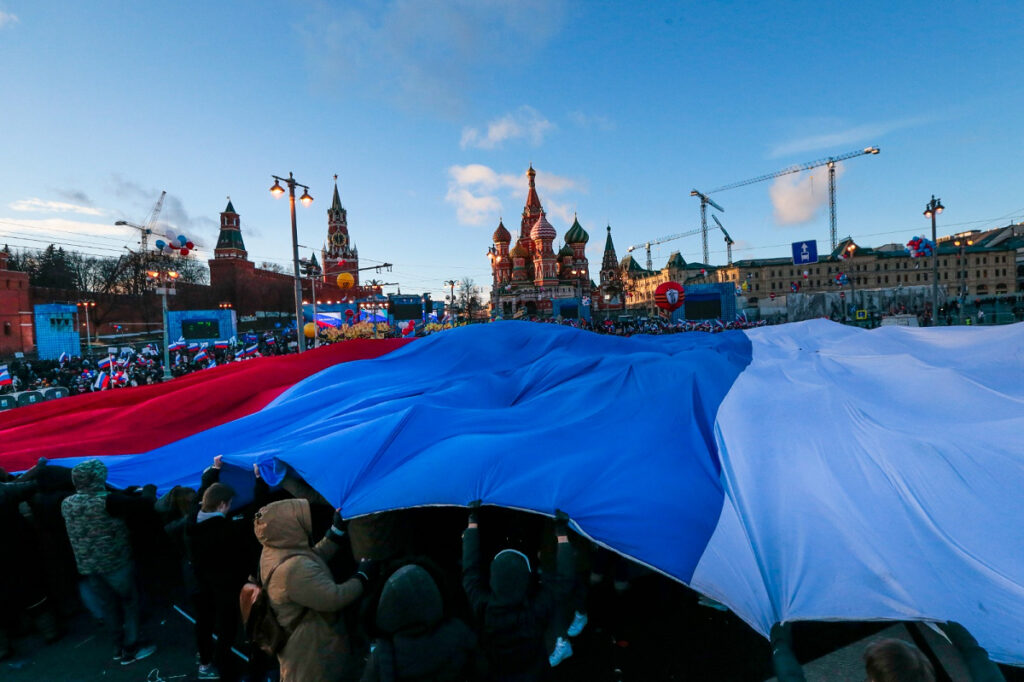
160 244
182 240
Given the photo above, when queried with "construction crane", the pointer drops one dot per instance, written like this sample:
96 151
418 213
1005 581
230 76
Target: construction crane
147 228
705 201
728 240
661 240
831 162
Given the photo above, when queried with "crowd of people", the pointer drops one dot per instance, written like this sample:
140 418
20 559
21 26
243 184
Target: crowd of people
129 366
321 597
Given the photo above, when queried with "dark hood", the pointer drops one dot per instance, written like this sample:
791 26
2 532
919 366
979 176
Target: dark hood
410 600
510 576
90 476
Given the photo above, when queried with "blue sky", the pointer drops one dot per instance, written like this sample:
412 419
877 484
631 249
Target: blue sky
430 112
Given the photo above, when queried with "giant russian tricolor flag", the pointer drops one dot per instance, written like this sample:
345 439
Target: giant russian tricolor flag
807 471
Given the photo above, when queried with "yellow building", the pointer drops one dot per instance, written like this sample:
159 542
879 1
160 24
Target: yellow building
973 264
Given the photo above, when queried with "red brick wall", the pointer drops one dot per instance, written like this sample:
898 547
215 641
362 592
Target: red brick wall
16 331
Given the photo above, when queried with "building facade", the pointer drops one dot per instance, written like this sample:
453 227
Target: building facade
971 265
339 254
528 277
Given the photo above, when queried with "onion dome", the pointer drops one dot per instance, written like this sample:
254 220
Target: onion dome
501 235
519 251
576 233
543 230
565 251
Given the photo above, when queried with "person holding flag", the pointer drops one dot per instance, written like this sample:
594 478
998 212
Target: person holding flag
5 376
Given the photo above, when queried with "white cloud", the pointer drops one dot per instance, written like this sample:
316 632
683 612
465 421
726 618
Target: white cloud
63 229
474 190
523 123
797 198
7 19
563 212
37 205
588 121
867 132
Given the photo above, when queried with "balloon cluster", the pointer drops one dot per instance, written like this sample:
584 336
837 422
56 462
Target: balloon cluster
842 279
174 244
920 247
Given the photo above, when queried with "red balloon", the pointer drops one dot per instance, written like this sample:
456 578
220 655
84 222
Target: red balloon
349 313
189 245
184 252
669 295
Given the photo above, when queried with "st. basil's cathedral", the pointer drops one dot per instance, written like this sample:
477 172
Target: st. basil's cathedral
531 278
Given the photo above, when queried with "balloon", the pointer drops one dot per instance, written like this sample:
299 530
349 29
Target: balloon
346 280
160 244
350 313
182 240
309 330
184 252
189 245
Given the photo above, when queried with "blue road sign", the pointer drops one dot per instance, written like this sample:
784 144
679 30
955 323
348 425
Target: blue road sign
805 252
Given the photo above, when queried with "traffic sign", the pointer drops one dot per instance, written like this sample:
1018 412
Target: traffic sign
805 252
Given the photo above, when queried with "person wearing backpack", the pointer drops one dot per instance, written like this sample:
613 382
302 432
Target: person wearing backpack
515 610
303 597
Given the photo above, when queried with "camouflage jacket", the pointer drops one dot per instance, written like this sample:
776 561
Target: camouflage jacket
99 540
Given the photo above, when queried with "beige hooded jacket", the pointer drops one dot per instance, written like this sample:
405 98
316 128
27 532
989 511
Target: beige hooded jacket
318 647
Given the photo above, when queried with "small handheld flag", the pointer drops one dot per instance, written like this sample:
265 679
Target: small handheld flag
5 376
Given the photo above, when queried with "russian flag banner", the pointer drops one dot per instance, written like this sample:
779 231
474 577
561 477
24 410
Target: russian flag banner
105 363
807 471
5 376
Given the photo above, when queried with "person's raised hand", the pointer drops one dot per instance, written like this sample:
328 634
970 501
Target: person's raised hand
474 507
368 570
561 523
217 461
256 470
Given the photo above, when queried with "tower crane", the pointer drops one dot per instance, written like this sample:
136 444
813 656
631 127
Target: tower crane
728 240
705 201
147 228
672 237
830 161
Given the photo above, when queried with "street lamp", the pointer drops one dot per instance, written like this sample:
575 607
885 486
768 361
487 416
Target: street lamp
306 200
164 277
451 284
86 305
931 209
961 276
311 270
853 280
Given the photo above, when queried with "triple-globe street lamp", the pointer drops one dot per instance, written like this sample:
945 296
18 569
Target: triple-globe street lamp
165 278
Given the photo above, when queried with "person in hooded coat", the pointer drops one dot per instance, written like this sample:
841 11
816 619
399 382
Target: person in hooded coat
303 595
420 643
514 613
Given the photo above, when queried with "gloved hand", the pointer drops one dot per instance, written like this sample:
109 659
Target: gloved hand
337 530
367 571
561 522
474 507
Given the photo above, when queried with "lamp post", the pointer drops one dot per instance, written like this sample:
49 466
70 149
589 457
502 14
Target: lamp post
853 280
931 209
961 276
311 271
306 200
164 277
88 340
451 299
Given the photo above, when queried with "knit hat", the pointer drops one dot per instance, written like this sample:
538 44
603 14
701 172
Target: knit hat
510 576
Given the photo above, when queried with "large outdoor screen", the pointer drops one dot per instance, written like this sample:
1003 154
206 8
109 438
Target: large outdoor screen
200 329
703 308
407 311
